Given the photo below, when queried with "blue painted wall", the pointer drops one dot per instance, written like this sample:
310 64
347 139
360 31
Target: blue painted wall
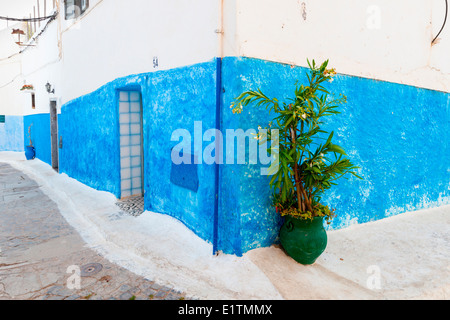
171 100
397 134
11 134
88 127
40 135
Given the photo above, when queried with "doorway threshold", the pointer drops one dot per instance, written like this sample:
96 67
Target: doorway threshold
133 206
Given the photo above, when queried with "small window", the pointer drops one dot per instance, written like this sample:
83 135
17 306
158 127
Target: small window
33 101
75 8
2 119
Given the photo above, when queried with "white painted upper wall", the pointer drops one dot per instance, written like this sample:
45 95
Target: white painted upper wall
385 40
381 39
118 38
10 74
41 64
115 38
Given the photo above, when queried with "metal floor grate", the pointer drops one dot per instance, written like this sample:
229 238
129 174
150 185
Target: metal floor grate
133 206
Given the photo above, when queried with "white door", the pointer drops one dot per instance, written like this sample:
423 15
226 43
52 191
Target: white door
130 120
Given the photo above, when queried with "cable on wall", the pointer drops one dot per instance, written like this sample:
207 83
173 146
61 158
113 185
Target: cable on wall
34 37
28 19
445 21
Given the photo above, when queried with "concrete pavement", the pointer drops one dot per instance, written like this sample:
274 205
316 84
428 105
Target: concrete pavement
42 257
402 257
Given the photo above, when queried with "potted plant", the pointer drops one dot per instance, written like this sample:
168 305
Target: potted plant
309 162
27 88
30 151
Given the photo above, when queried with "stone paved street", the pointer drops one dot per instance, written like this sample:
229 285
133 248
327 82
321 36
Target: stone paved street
43 258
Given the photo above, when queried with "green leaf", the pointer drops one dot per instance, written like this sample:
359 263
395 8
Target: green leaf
330 137
337 149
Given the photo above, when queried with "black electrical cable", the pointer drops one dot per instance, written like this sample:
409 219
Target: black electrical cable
33 38
28 19
445 21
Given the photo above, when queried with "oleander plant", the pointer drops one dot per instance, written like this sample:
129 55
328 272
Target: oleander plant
309 162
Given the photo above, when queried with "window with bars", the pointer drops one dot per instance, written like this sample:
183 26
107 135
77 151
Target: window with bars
75 8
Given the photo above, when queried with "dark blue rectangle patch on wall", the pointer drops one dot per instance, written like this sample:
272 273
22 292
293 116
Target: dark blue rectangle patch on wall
185 175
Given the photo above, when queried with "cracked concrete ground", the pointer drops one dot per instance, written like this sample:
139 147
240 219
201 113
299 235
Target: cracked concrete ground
41 255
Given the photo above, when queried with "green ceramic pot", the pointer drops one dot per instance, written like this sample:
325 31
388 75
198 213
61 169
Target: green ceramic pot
303 240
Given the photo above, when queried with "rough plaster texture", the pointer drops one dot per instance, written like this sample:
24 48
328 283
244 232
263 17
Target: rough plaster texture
171 100
89 130
397 134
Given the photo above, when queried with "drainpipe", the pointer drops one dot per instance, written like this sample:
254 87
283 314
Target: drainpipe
219 57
